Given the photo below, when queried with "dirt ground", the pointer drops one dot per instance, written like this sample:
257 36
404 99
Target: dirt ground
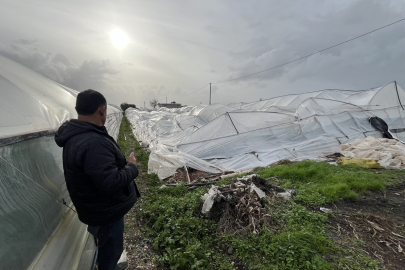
377 222
140 252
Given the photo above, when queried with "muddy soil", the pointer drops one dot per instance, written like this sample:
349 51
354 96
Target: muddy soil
377 221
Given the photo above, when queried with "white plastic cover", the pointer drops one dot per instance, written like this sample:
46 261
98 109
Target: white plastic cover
36 229
389 153
31 103
242 136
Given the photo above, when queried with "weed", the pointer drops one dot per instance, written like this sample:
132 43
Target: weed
299 245
183 237
317 183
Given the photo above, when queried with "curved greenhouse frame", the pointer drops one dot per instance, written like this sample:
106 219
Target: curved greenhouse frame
242 136
37 231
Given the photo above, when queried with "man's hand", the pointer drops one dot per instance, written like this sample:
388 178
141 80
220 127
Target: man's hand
131 158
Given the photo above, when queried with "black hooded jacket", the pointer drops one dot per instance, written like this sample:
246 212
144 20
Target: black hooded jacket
99 179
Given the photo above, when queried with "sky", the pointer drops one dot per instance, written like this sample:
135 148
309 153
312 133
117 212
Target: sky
177 47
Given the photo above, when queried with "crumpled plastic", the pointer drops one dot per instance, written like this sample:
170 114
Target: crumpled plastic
389 153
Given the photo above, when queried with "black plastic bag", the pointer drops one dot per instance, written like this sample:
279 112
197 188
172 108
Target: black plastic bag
380 125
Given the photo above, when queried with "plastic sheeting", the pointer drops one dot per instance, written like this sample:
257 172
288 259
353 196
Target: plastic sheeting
29 212
389 153
242 136
33 105
36 229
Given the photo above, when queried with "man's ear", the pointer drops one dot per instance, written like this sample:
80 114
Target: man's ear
103 110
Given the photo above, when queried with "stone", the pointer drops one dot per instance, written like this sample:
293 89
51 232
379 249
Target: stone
230 250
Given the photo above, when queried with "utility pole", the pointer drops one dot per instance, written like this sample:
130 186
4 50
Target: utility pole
144 104
210 93
166 100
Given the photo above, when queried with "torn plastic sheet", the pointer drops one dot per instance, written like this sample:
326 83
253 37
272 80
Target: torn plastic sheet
242 136
209 198
257 190
165 163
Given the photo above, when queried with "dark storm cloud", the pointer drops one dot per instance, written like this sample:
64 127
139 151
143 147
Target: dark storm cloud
381 54
176 47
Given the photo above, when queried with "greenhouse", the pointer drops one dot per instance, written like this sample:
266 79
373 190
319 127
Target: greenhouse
243 136
39 228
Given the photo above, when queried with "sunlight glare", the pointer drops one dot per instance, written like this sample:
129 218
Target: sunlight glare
119 38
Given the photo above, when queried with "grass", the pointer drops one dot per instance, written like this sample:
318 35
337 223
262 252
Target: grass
297 238
317 183
183 237
299 243
126 141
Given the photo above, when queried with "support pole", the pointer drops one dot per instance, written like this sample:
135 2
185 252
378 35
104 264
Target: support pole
210 93
188 177
399 99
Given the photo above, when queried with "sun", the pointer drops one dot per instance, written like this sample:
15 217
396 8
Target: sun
119 38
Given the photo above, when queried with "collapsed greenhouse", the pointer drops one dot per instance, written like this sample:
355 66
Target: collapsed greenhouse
243 136
39 228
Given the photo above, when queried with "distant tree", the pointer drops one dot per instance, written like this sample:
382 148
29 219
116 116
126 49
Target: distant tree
125 106
153 103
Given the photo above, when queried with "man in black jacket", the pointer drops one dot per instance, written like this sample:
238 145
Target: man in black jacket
99 178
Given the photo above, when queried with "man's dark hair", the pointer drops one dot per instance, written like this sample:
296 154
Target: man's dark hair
89 101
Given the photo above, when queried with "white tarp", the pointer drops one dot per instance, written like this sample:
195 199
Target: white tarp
242 136
31 103
388 152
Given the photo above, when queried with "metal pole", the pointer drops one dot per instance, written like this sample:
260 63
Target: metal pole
166 99
398 95
210 93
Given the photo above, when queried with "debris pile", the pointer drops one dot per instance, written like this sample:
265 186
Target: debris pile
388 153
237 206
189 175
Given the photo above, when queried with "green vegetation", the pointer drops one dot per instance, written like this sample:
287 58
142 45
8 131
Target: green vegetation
183 237
299 243
296 238
317 183
127 142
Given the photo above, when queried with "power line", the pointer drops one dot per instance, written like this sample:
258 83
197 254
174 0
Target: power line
196 91
295 60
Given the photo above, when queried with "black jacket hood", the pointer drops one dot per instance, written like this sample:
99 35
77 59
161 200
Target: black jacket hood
74 127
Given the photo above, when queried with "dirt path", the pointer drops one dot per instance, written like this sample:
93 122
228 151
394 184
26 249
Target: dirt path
140 252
